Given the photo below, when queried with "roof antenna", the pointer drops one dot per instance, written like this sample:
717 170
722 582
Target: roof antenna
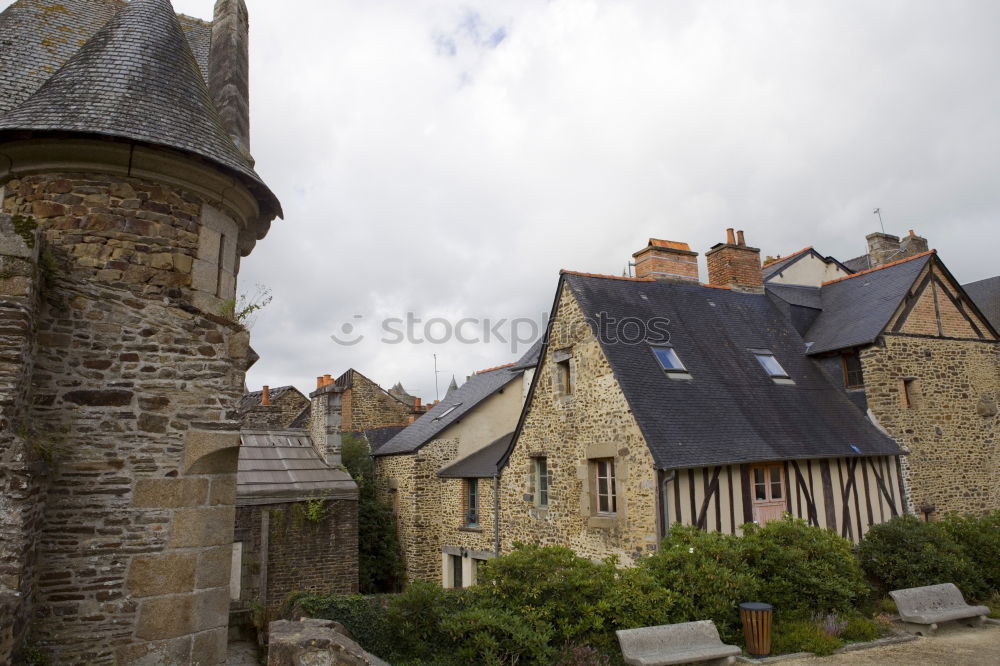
877 211
436 396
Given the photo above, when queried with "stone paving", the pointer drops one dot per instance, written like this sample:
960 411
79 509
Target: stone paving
243 653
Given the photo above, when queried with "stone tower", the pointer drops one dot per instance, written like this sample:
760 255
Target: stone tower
128 197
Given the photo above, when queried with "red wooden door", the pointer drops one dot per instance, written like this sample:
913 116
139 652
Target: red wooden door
768 493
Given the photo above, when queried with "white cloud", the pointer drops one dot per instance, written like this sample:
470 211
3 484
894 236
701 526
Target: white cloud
427 164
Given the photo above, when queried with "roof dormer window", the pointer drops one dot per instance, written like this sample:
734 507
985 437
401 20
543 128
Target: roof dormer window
670 362
771 365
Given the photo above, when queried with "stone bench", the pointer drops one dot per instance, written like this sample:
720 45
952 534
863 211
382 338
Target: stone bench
675 644
922 608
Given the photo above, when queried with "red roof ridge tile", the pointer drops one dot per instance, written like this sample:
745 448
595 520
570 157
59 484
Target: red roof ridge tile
789 256
878 268
498 367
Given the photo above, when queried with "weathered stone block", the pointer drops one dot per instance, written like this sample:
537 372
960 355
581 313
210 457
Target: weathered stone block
223 490
170 493
165 617
214 567
172 652
204 276
201 443
313 642
99 398
209 242
211 608
202 527
169 573
210 647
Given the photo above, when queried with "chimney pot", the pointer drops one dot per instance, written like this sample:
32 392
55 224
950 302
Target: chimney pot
319 382
327 380
265 395
730 239
416 403
739 239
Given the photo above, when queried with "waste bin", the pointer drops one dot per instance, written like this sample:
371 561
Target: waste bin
757 618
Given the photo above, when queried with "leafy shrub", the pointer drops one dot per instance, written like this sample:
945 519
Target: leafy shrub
803 569
493 637
582 655
799 635
707 572
907 552
860 629
364 617
979 539
415 620
380 565
579 601
830 624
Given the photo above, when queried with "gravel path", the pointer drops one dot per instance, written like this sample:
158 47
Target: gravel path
954 645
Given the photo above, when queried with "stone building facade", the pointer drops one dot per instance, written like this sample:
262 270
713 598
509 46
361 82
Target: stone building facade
273 407
119 434
566 429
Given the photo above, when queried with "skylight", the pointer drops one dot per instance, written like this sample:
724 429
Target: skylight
771 365
447 412
669 360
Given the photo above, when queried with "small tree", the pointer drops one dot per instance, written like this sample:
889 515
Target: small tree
380 565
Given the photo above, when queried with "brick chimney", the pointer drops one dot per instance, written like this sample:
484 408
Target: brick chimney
667 260
735 264
325 420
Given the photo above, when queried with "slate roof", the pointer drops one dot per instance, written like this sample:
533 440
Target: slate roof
856 309
377 437
803 296
251 399
477 388
481 464
986 295
302 420
731 411
282 466
135 78
862 263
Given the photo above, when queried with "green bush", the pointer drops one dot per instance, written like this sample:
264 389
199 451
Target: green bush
364 617
380 565
800 635
494 637
860 629
979 539
707 573
579 601
803 569
415 620
908 552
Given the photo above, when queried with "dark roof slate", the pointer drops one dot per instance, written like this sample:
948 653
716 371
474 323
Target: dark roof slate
731 411
857 309
281 466
479 387
857 264
986 295
137 78
251 399
807 297
302 420
377 437
481 464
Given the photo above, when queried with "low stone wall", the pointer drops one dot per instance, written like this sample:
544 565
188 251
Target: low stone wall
314 643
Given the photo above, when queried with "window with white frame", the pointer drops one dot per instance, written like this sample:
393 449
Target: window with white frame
605 488
540 479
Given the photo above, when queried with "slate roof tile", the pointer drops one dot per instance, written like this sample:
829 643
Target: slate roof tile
731 411
481 464
986 295
282 466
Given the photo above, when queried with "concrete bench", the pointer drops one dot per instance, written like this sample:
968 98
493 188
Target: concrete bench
675 644
923 608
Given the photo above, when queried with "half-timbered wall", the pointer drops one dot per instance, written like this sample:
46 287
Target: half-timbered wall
847 495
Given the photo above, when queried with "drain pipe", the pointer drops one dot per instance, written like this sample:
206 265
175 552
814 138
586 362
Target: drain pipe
496 514
667 479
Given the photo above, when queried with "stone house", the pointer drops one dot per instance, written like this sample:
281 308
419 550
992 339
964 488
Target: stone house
363 407
274 408
919 353
660 400
296 522
440 474
128 197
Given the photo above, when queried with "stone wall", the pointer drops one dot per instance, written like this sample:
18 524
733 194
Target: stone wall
316 554
367 406
23 470
594 421
417 494
950 426
278 415
134 392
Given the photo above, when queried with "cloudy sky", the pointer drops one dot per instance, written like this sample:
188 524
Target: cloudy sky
447 158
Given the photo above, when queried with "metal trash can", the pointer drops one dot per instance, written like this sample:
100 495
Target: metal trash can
757 618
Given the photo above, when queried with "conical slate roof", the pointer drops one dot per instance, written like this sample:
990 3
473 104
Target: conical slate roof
137 78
